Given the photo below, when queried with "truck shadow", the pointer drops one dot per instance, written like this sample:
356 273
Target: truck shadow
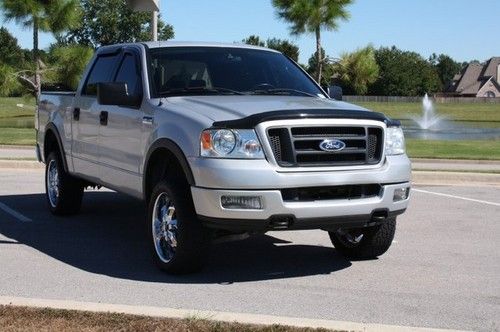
107 238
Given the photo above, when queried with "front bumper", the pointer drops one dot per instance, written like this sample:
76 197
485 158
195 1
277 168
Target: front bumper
216 178
279 214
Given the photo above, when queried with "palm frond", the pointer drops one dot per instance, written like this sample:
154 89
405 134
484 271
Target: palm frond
311 15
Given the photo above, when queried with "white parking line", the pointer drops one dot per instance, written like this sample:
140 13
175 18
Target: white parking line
14 213
457 197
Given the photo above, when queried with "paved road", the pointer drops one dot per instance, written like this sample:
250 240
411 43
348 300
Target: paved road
442 271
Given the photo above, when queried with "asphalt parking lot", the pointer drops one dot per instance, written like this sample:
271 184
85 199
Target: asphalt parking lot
442 271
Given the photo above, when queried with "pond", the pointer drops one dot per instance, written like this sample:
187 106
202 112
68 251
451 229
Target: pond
454 130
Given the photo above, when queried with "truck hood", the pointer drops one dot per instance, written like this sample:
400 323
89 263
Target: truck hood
226 108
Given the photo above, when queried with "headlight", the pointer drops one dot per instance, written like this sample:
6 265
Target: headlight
223 142
394 141
230 143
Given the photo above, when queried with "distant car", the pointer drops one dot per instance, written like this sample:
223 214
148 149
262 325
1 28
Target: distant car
223 139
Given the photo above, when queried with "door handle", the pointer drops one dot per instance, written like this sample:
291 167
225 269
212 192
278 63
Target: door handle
103 118
147 120
76 113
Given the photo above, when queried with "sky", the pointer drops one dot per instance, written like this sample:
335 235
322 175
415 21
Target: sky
465 30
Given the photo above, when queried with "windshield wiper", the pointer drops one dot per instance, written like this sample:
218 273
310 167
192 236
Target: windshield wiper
282 91
195 90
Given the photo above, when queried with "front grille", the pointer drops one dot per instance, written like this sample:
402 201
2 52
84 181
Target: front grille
300 146
331 193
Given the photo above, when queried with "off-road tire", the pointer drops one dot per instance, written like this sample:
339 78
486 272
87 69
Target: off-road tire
375 242
69 199
193 239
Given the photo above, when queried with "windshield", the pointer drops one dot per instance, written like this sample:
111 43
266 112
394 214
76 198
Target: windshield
178 71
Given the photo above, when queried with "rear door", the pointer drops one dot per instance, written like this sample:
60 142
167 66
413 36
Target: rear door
85 128
120 136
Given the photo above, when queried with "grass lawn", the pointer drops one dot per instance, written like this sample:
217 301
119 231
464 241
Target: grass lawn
485 150
30 319
13 116
459 112
17 136
16 123
9 108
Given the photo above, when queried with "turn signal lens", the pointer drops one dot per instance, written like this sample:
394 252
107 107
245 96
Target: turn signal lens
206 140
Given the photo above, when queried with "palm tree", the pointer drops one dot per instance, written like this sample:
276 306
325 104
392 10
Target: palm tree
41 15
313 16
357 70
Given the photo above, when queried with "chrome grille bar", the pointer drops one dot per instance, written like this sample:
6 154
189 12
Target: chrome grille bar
299 146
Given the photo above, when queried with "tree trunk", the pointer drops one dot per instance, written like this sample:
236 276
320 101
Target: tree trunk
319 56
36 58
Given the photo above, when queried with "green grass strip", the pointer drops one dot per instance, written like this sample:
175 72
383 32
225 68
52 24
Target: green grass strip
472 150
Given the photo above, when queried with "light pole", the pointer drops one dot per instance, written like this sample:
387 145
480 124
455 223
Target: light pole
154 25
152 6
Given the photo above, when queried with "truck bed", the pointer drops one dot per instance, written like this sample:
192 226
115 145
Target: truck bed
55 107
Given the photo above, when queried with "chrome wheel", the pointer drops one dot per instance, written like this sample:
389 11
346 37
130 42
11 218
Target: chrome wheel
164 227
53 183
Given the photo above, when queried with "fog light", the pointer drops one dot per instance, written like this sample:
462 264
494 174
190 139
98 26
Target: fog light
241 202
400 194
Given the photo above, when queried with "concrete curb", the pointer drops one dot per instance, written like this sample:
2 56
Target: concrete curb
16 164
20 147
454 161
208 315
455 178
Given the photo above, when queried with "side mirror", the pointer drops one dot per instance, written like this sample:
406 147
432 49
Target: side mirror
335 92
116 94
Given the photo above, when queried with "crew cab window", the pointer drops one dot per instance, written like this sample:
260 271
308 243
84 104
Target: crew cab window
129 73
101 72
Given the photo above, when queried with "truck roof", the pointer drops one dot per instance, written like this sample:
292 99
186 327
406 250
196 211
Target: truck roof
158 44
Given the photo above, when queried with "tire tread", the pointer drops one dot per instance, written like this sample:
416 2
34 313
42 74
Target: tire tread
376 241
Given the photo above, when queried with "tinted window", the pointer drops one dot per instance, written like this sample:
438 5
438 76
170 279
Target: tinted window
101 73
202 70
129 74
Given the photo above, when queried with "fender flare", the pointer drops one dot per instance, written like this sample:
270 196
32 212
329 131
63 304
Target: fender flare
172 147
52 127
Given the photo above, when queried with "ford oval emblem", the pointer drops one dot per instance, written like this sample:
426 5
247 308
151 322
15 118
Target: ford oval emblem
332 145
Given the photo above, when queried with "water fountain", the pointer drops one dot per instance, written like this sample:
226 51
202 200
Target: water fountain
429 119
438 127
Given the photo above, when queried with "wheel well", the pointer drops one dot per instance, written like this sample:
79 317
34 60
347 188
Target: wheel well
162 163
50 144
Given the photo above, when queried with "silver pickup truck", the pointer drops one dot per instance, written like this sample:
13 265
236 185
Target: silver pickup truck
221 140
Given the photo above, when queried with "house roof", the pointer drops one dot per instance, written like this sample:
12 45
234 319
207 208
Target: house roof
470 81
474 76
490 69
